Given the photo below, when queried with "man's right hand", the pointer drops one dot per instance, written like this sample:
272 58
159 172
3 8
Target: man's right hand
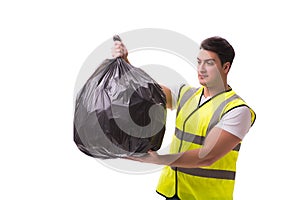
119 50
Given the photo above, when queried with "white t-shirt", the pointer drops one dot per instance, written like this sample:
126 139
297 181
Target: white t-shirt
237 121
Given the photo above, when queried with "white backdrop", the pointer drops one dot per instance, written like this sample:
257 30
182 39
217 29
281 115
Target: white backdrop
43 45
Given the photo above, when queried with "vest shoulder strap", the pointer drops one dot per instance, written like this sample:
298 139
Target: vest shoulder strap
218 112
185 93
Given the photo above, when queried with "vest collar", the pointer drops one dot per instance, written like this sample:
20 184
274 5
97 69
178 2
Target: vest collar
201 89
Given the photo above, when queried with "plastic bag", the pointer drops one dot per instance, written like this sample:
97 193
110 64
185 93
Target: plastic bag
119 112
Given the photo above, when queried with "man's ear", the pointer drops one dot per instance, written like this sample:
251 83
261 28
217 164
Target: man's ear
226 67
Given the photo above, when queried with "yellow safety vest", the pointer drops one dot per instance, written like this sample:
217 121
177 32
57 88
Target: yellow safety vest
193 122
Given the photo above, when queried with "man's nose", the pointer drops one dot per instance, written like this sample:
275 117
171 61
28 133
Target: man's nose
201 67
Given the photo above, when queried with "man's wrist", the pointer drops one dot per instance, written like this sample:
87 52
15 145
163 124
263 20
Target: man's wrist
126 59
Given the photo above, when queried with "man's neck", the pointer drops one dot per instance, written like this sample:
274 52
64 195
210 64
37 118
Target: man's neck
212 91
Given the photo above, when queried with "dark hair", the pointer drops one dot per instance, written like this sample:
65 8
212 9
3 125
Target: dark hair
221 47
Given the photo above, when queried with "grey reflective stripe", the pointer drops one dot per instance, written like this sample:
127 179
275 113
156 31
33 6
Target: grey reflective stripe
185 98
207 173
188 137
196 139
215 118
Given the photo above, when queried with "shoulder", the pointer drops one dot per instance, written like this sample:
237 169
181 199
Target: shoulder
241 112
239 106
236 121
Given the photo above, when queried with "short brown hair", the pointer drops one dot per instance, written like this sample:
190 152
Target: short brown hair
221 47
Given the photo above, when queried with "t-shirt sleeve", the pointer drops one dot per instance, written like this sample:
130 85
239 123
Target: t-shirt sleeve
237 121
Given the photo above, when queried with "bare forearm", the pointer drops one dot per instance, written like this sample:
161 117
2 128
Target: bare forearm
188 159
167 92
217 144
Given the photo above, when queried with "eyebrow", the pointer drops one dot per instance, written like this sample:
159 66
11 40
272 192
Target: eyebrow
206 59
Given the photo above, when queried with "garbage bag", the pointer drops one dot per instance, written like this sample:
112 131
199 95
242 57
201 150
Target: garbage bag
119 112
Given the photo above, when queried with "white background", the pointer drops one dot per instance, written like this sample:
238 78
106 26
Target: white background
43 45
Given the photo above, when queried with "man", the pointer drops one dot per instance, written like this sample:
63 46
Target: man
211 122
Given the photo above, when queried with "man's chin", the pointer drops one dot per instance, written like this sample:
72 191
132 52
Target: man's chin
203 83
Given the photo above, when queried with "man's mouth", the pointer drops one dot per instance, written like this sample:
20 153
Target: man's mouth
202 76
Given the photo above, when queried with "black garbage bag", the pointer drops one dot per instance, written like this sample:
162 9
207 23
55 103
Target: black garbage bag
119 112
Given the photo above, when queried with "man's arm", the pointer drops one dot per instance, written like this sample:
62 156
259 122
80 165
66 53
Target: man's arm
168 94
218 143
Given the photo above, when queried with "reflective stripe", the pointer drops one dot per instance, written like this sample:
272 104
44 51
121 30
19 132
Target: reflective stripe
207 173
196 139
186 97
217 113
188 137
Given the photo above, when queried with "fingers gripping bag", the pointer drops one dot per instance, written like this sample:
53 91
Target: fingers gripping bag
119 112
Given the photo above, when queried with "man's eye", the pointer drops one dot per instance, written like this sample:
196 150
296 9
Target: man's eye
210 62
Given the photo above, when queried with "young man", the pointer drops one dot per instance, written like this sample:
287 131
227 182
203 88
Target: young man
211 121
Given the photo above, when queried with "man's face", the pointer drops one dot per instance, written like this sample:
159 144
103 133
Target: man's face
209 69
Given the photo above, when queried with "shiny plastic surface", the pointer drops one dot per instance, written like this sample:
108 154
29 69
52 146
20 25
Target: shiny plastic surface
119 112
